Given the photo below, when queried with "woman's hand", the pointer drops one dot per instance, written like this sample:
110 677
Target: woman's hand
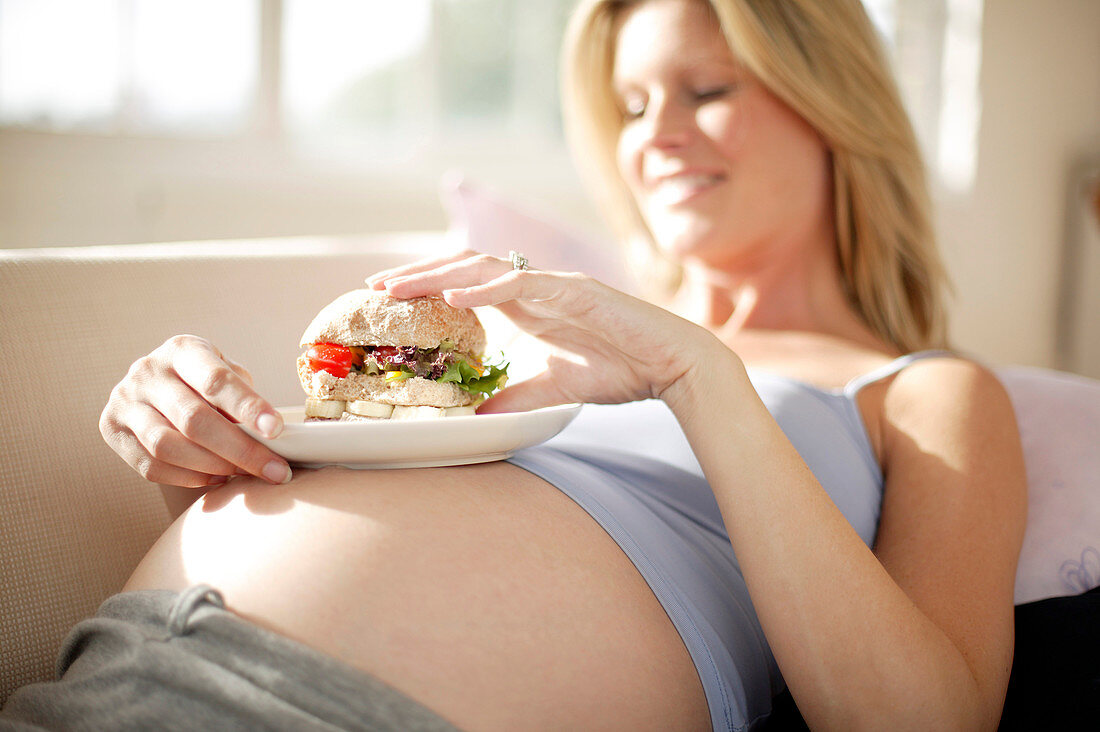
607 347
170 418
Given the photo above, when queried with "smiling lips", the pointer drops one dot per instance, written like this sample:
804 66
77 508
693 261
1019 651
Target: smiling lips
674 189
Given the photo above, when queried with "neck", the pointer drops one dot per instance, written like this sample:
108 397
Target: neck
799 292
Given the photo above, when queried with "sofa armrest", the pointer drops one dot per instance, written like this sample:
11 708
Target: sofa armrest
74 518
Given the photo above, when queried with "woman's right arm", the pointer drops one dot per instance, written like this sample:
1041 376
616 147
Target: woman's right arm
171 419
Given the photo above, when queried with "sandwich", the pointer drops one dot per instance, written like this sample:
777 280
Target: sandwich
370 356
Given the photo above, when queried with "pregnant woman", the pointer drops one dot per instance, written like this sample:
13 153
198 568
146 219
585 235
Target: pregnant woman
816 496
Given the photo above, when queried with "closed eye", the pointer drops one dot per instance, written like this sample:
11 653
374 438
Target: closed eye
632 109
717 92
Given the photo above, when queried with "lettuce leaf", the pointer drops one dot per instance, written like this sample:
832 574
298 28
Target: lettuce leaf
462 374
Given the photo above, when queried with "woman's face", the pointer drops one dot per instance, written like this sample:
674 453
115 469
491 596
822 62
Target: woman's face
717 165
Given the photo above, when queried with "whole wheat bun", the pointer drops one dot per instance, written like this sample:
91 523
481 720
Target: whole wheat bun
411 392
373 318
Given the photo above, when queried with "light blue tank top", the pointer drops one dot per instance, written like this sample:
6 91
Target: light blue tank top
632 469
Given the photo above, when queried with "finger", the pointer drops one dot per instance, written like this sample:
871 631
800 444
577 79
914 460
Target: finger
217 382
173 475
240 369
378 279
158 471
205 426
512 285
199 401
117 423
209 388
160 440
467 272
244 374
535 393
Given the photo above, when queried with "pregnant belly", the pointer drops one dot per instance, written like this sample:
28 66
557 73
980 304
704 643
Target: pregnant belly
481 591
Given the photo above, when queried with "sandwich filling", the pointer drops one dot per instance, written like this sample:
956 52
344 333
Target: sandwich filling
395 382
442 364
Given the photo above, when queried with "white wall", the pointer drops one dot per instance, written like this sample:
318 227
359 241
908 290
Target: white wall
1040 86
70 190
60 190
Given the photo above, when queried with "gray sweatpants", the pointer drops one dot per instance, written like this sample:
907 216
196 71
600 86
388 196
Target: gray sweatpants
179 661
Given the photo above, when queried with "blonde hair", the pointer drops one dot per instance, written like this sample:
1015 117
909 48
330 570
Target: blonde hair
824 59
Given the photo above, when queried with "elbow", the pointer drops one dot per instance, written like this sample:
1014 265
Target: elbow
957 702
943 700
939 714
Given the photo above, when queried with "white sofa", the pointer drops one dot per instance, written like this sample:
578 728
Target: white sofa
75 520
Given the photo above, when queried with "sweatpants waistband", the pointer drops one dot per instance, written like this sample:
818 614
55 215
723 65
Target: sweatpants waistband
156 659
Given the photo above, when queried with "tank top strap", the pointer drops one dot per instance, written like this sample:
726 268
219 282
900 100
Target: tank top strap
854 386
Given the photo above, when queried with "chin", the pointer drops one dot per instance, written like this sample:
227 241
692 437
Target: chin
688 242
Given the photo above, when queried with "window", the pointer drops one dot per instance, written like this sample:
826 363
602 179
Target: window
436 74
936 48
403 80
128 66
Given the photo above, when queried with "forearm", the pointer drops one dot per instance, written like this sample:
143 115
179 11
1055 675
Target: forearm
850 642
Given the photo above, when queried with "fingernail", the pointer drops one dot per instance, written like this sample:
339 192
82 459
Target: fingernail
268 425
277 472
217 479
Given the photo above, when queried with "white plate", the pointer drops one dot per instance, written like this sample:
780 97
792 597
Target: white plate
479 438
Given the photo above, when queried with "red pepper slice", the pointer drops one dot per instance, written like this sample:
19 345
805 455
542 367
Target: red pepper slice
386 355
333 358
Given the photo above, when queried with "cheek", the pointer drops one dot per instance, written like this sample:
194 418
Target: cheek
725 125
627 157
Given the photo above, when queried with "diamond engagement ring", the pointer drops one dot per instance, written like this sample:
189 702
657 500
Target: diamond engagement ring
518 261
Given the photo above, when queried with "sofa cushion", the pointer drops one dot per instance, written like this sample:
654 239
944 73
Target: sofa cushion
486 221
1059 421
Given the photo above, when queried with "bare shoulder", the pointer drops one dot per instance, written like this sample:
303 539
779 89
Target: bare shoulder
954 507
949 393
955 413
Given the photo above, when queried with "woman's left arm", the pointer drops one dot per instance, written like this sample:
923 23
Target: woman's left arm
913 636
919 632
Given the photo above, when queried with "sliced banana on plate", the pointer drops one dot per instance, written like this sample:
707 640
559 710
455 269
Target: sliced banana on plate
324 408
334 409
417 412
365 408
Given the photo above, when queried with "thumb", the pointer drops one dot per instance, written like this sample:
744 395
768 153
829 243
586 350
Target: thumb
535 393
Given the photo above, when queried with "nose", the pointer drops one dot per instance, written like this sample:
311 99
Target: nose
668 124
